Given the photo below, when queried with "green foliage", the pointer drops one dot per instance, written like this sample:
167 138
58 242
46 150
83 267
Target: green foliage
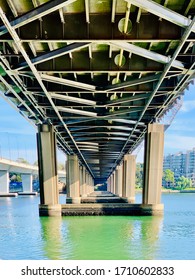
139 175
15 177
168 177
18 178
183 183
22 160
61 166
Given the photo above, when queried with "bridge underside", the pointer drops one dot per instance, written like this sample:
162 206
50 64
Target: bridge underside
98 71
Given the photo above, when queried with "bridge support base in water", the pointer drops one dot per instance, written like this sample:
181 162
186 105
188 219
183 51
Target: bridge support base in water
54 210
112 209
8 194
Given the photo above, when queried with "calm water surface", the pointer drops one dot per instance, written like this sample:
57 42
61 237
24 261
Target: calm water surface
25 235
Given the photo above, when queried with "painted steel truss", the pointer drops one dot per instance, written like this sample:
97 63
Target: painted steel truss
99 72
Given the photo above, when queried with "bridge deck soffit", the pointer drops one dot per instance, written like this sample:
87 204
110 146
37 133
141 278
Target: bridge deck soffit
98 71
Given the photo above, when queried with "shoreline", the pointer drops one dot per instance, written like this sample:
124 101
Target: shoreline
170 191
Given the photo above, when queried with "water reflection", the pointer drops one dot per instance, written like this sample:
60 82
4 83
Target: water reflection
24 235
52 236
102 238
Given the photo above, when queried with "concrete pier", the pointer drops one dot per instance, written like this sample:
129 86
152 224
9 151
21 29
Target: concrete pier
112 182
27 180
4 181
110 209
153 166
82 171
118 180
48 181
129 171
73 179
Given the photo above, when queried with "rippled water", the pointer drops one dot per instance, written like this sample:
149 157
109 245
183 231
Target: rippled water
25 235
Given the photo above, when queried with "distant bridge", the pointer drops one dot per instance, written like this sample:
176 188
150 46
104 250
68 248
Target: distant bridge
26 170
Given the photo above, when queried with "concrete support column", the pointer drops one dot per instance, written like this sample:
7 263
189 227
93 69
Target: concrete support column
129 170
85 181
88 183
4 181
153 165
73 178
46 143
113 183
91 183
27 180
83 191
118 181
109 184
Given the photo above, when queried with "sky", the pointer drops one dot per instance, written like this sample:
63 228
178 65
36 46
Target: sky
180 136
18 136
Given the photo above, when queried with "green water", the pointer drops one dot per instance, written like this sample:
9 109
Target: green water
25 235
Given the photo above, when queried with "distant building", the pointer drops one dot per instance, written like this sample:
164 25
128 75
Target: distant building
182 164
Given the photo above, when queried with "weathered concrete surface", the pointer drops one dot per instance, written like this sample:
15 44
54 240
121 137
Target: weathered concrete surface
111 209
52 210
103 199
101 194
99 197
153 164
46 144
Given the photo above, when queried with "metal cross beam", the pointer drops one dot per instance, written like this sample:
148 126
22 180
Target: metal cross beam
127 99
73 99
53 54
67 82
36 13
134 82
163 12
147 54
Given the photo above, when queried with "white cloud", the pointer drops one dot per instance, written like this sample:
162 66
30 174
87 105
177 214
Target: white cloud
182 125
174 143
188 106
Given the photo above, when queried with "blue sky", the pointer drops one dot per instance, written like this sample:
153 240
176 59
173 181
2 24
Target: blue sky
180 136
18 136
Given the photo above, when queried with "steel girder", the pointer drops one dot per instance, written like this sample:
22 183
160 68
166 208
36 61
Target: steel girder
98 85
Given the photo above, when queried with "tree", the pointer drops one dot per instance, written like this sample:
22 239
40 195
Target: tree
61 166
15 177
22 160
139 175
168 177
183 183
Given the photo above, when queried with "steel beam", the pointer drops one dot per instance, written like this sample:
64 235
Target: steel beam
147 54
67 82
73 99
147 79
75 111
36 13
53 54
162 12
127 99
78 128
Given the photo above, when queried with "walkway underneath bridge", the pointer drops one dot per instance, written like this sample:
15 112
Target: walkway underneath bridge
96 77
